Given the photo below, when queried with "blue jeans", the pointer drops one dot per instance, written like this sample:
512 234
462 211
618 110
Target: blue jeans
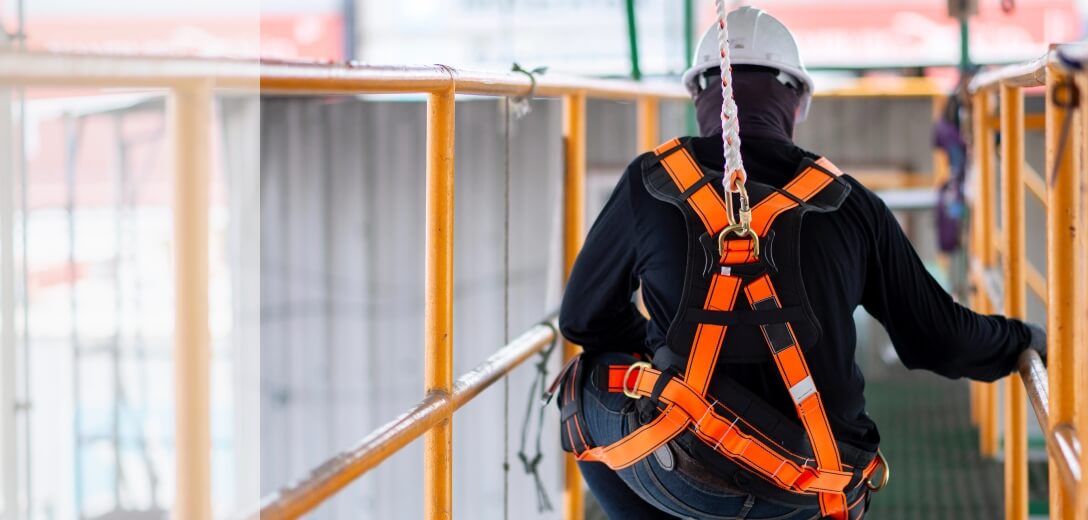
646 490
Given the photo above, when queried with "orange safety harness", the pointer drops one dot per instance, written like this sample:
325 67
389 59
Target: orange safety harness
677 385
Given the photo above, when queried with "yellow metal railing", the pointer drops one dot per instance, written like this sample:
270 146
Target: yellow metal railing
1055 394
192 83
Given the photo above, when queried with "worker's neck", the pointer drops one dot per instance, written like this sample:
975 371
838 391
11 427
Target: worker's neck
765 107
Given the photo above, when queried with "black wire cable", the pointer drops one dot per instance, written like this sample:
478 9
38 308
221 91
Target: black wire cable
537 389
1065 95
506 316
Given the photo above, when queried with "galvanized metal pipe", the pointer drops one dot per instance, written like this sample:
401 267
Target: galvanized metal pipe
1033 373
324 481
1062 443
438 303
191 117
1065 453
1015 297
1028 74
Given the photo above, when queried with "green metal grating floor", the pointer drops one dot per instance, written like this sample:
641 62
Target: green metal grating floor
932 448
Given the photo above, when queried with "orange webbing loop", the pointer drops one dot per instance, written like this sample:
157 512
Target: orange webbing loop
638 444
683 407
795 374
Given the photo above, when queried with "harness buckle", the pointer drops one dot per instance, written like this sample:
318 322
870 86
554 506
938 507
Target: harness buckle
641 366
885 475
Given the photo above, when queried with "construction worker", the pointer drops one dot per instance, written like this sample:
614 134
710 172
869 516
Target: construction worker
695 452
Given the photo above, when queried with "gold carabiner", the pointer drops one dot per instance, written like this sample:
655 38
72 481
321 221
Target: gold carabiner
743 216
886 474
741 223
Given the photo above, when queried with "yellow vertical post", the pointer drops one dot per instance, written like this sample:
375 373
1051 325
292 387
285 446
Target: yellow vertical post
191 124
438 301
1012 209
1080 369
574 181
1063 313
988 427
648 123
977 244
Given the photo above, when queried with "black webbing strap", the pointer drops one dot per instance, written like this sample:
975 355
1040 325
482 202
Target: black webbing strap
746 316
703 181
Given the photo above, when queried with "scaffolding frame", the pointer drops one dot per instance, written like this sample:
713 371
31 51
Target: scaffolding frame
192 82
1063 290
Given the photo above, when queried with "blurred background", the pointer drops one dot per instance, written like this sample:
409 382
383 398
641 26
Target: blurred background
317 224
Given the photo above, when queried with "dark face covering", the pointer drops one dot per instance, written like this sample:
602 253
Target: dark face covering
765 106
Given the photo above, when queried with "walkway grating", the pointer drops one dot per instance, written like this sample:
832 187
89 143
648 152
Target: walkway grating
928 438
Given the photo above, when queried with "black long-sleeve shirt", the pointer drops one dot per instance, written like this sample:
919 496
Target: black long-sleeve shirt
855 256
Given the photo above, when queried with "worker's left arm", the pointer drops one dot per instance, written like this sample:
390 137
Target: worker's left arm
597 311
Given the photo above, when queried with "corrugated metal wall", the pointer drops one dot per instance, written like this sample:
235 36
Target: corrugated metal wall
342 289
342 237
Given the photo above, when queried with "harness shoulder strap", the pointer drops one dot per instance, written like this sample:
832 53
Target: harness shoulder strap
682 182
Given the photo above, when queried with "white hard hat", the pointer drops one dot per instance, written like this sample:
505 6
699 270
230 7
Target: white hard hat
755 38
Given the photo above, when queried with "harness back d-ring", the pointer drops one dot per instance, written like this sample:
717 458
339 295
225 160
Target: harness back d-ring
741 231
641 366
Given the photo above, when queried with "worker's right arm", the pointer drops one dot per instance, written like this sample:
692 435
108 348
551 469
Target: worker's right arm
597 311
927 327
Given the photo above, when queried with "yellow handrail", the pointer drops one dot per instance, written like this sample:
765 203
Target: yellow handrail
194 79
1055 393
328 478
1063 445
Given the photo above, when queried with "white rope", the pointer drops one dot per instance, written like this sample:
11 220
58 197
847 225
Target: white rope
734 166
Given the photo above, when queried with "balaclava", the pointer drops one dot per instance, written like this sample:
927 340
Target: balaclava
765 106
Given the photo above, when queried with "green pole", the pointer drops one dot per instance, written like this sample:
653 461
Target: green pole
689 51
965 43
689 30
632 37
